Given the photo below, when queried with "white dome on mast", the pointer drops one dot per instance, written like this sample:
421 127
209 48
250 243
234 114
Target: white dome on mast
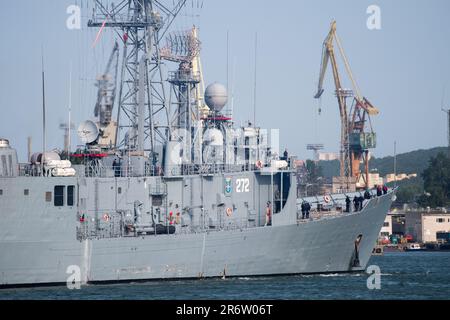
216 96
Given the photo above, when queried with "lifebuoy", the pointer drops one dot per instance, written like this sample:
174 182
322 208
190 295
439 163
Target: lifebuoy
327 198
106 217
229 212
259 164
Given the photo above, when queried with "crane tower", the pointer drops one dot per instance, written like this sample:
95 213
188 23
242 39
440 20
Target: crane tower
357 135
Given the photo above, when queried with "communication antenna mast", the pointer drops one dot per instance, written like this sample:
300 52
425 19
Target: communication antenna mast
255 79
186 94
142 101
184 48
44 138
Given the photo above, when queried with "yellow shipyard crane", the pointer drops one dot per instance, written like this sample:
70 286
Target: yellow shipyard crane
356 136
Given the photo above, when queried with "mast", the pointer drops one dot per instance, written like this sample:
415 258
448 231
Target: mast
70 113
142 106
44 142
254 80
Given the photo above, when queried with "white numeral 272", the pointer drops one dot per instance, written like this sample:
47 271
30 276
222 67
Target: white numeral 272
242 185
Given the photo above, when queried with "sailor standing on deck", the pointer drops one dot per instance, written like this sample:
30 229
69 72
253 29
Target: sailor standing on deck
307 208
347 204
303 207
360 202
356 202
379 191
268 214
285 155
116 168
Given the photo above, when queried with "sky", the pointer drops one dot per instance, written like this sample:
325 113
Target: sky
402 68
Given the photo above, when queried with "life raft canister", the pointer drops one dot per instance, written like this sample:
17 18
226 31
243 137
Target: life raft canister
229 212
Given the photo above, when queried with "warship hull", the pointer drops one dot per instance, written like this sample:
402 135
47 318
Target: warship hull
38 247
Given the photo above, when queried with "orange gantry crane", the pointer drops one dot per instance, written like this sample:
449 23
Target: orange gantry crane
356 136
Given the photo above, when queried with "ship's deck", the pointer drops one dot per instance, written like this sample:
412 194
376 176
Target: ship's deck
331 206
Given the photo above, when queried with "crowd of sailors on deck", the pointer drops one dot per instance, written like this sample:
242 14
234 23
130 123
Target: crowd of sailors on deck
359 200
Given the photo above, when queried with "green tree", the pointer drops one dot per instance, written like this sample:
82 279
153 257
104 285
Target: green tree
313 171
436 182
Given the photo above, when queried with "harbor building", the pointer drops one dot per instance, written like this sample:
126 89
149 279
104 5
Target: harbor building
428 226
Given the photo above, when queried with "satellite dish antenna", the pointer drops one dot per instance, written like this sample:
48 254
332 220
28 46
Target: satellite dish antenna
88 131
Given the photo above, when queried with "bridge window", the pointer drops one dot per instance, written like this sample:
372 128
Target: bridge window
1 192
26 192
59 196
70 195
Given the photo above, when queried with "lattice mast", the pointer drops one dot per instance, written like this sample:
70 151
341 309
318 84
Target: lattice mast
142 119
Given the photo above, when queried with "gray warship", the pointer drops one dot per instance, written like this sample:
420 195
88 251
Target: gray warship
169 188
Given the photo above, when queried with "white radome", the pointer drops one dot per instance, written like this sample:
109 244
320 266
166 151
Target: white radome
216 96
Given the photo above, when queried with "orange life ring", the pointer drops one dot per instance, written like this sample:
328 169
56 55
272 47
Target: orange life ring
327 198
106 217
259 164
229 212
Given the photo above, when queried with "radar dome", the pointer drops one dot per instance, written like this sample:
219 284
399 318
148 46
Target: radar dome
216 96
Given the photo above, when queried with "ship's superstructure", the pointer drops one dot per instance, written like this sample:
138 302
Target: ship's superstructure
170 188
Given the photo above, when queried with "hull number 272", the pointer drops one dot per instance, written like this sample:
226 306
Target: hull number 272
243 185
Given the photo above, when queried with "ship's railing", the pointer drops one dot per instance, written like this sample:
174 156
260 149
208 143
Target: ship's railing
332 200
171 171
106 225
205 169
196 169
182 76
113 225
331 206
102 171
225 225
27 170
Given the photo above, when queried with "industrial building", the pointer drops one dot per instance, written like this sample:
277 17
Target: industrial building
427 226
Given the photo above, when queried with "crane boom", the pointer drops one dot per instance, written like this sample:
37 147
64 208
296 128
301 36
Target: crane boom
328 55
107 89
324 61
